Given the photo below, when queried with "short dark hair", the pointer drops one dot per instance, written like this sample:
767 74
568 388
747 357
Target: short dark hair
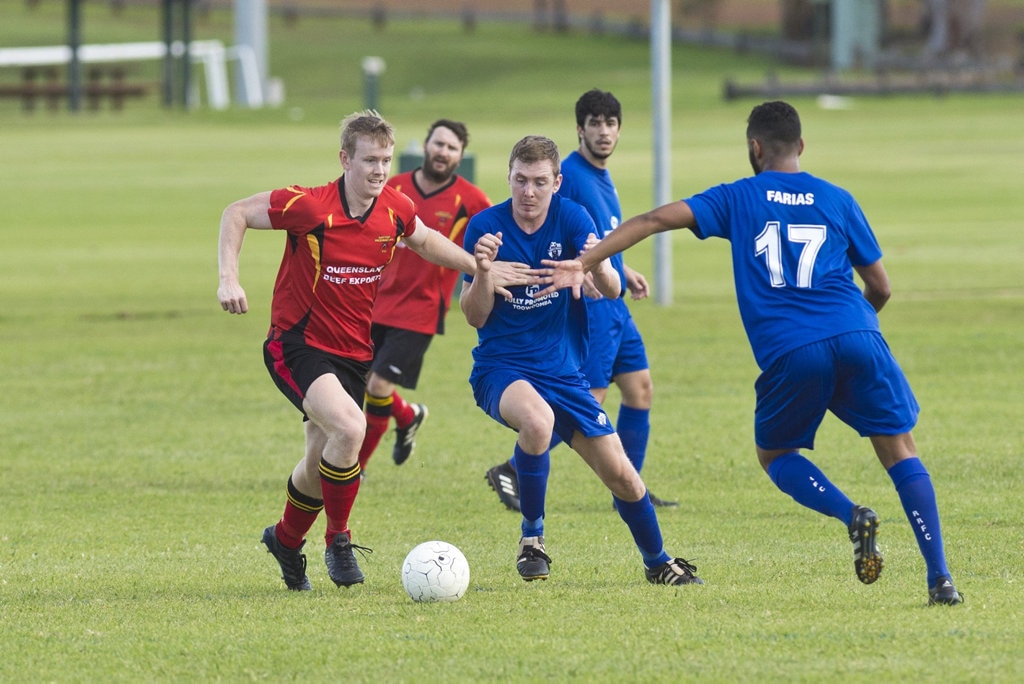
456 127
774 124
533 149
595 103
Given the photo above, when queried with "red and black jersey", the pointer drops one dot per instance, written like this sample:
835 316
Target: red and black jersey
414 293
332 264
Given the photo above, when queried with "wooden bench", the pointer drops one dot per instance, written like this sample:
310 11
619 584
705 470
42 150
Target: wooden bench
101 83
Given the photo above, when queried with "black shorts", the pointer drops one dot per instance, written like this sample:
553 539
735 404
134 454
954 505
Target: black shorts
398 354
294 367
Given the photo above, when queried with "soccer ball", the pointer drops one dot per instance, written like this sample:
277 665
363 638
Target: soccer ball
435 571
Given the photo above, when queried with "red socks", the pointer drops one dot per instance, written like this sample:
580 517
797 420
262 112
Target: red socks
340 487
300 513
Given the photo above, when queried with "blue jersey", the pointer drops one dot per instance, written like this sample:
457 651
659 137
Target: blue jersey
548 335
585 184
795 239
616 344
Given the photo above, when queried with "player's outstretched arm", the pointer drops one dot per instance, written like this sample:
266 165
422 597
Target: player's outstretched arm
671 216
251 212
437 249
666 217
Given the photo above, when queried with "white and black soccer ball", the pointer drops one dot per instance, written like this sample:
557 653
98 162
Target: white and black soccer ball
435 571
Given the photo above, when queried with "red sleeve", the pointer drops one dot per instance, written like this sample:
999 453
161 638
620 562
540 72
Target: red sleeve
297 208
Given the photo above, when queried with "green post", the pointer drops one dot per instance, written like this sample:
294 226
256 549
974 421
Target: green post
373 67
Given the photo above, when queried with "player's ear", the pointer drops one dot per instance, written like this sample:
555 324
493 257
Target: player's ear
558 182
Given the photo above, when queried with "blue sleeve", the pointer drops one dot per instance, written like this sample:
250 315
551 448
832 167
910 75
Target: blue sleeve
864 248
711 212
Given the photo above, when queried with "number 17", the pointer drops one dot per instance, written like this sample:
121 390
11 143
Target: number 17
769 243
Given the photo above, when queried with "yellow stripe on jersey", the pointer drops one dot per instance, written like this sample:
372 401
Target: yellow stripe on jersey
299 194
314 250
456 227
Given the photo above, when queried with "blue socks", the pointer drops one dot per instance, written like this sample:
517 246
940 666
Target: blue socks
634 428
914 486
533 473
802 480
639 516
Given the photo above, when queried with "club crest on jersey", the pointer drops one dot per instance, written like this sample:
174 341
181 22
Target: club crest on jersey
555 250
442 219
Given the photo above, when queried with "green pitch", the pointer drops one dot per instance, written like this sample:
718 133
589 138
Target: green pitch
144 448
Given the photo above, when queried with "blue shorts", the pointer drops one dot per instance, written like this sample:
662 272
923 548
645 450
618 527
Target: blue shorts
575 408
615 347
853 375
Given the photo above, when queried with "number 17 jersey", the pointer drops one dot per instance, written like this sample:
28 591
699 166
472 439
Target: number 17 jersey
795 239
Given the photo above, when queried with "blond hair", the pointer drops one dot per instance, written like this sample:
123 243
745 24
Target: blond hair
367 123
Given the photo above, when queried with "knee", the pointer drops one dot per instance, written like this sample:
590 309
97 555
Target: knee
637 390
535 431
378 386
766 456
891 449
627 484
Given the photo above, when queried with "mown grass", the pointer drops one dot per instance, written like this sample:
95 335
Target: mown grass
144 448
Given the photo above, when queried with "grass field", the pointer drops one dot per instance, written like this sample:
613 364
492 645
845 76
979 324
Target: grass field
144 449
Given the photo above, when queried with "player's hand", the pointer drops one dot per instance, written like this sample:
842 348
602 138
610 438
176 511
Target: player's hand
636 283
558 275
590 290
591 241
485 251
508 273
232 298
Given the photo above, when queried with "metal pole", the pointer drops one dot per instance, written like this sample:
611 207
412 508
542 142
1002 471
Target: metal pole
251 31
168 29
661 97
186 57
75 65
